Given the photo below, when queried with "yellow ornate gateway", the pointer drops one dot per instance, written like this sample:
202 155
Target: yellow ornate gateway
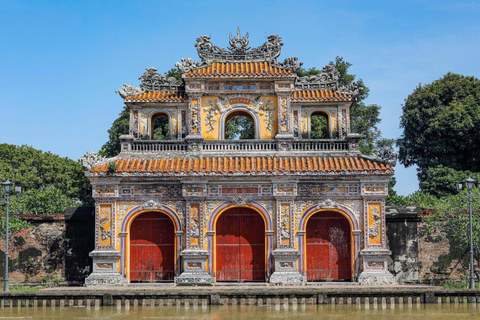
188 201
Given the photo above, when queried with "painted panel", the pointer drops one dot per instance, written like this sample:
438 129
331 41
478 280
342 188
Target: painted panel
152 248
374 223
105 225
328 247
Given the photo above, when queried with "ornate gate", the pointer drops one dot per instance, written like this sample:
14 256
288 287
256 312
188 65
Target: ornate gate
328 247
152 248
240 246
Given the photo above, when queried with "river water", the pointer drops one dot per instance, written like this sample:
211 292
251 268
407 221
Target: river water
279 311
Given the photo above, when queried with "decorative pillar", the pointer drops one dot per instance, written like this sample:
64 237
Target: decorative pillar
178 239
285 255
284 137
105 256
194 137
194 256
375 253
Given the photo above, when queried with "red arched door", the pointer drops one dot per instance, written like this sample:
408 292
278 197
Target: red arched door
328 247
240 246
152 248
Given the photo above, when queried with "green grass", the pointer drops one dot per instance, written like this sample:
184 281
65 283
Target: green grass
26 289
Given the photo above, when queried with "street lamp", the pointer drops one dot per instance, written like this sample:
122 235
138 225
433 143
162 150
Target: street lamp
7 185
470 183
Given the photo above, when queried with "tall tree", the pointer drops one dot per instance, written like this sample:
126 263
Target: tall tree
120 126
441 122
47 180
363 118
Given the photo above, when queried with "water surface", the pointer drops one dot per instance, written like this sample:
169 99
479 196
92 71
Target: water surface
278 311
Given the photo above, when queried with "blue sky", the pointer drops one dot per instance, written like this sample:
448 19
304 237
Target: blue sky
61 61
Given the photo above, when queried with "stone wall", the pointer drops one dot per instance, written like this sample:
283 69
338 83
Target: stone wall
54 251
418 256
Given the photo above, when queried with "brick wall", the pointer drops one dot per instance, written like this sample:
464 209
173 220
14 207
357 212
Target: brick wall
418 256
54 250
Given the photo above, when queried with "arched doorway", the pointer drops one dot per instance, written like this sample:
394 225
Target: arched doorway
240 246
239 125
160 126
328 247
319 126
152 248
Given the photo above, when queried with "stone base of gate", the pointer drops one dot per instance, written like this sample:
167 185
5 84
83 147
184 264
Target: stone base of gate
105 269
286 271
375 263
194 268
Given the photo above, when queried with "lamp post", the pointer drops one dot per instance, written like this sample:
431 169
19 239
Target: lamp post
7 185
470 183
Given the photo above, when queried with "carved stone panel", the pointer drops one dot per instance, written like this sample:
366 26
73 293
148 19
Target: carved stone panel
374 222
105 222
285 224
194 227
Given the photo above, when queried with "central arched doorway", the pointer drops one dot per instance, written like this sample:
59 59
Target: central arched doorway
152 248
240 246
328 247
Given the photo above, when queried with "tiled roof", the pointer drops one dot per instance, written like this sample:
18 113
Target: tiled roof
246 165
319 95
239 69
158 96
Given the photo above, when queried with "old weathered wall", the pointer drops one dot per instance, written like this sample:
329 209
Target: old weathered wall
55 250
418 256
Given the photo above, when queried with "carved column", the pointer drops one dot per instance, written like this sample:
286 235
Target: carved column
285 255
284 135
194 256
194 123
375 253
105 256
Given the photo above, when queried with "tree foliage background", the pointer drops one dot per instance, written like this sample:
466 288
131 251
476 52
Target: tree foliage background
363 118
49 183
441 132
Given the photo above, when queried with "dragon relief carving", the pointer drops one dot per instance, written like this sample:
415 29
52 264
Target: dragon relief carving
291 64
375 227
104 224
239 51
154 81
188 65
327 204
261 106
285 223
90 160
387 155
128 90
194 222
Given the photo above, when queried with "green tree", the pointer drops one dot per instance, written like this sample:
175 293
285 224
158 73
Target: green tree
33 170
442 181
161 128
441 122
239 127
363 118
174 72
120 126
318 127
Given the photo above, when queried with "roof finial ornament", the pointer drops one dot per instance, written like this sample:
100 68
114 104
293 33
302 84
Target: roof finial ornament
239 44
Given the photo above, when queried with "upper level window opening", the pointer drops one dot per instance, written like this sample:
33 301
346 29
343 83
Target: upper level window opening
319 126
239 125
160 127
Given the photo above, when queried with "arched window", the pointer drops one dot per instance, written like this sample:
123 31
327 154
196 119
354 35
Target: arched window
319 125
160 129
239 125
